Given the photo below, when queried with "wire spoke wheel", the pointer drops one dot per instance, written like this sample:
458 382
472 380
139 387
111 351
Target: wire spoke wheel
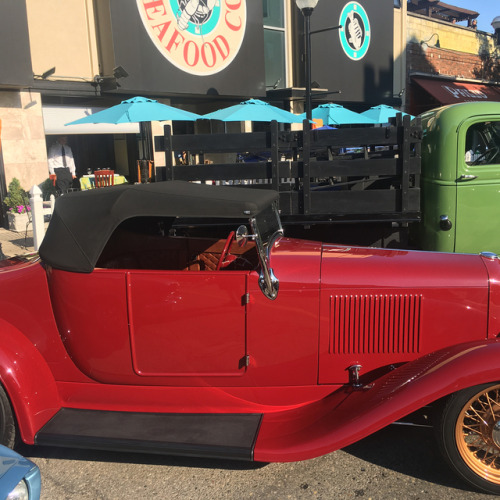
477 433
468 432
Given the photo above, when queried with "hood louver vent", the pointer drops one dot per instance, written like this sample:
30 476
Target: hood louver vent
375 324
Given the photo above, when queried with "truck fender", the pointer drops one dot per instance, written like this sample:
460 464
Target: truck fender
28 381
351 414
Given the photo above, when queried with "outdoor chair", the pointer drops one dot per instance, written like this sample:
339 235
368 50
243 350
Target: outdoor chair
104 178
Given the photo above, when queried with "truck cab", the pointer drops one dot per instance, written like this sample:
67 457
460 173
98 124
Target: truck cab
460 178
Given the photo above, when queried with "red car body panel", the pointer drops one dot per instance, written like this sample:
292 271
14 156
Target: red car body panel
492 267
27 380
130 309
348 415
382 307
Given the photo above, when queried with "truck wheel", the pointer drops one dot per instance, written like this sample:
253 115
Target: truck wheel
7 421
468 431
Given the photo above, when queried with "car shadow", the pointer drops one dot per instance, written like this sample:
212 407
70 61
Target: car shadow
53 452
412 451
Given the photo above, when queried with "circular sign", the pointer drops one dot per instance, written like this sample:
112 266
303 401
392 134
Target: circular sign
200 37
355 32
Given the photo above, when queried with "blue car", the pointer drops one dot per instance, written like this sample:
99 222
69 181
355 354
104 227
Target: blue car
19 477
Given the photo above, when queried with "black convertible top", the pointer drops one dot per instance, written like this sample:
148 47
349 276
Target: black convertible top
82 222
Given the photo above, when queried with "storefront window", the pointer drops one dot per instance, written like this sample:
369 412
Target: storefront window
274 46
273 11
274 42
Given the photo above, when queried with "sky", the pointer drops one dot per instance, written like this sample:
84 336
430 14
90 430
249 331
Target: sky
488 10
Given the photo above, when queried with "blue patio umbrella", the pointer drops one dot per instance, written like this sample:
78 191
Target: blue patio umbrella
253 110
136 110
382 113
335 114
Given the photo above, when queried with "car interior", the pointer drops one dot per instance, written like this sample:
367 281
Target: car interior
483 144
154 243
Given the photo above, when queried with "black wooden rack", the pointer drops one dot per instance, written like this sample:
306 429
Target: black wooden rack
336 175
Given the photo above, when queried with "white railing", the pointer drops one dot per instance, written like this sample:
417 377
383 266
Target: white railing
38 215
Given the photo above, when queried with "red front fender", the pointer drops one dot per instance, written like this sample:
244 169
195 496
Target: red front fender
28 381
348 415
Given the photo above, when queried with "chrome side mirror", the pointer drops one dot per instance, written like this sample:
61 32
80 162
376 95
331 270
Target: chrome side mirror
242 235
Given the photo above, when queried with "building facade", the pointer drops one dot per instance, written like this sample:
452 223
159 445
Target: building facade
449 62
71 58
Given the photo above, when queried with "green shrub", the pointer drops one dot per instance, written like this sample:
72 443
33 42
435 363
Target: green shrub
17 198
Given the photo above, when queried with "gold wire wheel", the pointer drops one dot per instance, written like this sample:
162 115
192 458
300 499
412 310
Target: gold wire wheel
477 434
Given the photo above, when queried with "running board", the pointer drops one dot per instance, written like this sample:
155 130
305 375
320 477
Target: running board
211 435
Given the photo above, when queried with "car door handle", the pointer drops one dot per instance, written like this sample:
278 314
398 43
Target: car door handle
469 177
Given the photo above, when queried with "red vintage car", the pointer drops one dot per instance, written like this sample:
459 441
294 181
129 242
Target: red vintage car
140 329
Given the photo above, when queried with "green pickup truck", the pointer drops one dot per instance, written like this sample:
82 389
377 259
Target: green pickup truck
460 178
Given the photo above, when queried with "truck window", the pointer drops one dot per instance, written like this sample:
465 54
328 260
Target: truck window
482 144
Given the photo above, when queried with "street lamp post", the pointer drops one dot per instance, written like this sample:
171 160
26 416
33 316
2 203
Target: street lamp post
307 7
496 26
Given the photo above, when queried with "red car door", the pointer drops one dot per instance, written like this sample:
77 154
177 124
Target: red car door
187 323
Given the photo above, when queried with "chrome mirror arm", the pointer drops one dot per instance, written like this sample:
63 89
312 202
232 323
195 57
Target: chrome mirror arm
268 282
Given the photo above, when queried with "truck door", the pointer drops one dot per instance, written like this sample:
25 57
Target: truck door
478 185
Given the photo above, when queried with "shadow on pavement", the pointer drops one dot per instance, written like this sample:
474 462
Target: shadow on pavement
411 451
134 458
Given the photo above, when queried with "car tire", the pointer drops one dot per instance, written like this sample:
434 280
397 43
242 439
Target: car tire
7 421
468 431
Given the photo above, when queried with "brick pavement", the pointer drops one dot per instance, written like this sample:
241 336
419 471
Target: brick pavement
12 243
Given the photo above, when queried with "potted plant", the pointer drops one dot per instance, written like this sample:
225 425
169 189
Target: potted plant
18 209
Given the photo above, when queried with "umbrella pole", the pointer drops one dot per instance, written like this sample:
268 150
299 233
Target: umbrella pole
145 165
143 139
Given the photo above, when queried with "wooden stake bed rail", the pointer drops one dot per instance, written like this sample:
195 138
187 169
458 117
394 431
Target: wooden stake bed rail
355 175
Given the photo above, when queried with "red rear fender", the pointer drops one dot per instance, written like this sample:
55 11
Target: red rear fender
28 381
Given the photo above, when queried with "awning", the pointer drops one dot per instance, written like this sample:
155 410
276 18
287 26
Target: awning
55 118
451 92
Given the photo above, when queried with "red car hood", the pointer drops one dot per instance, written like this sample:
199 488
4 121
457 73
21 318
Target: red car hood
382 307
372 267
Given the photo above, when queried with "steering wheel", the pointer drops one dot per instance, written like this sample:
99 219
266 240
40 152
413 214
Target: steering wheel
490 155
222 259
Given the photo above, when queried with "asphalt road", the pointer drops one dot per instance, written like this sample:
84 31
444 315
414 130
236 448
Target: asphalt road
393 464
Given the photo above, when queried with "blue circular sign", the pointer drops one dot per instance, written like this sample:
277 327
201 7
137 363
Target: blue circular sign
355 33
198 21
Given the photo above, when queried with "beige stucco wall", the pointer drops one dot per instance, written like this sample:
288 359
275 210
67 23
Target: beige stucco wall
453 37
62 35
23 151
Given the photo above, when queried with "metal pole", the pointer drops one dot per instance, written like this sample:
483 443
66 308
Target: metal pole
307 53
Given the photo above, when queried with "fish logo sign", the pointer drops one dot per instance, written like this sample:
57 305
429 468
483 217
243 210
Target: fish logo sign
355 33
200 37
